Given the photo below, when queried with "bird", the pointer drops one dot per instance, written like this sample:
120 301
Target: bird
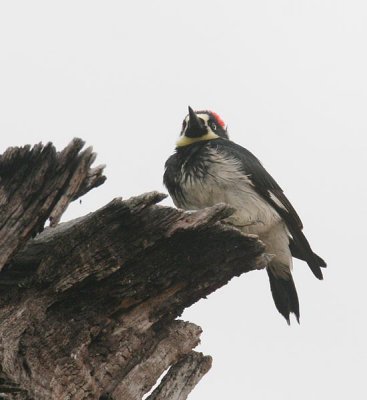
208 168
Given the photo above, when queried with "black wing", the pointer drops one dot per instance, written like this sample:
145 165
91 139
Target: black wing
268 188
169 179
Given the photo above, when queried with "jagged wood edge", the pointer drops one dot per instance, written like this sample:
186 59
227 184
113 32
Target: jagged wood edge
182 377
37 183
199 255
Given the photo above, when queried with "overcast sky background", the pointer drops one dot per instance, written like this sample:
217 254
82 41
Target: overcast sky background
290 79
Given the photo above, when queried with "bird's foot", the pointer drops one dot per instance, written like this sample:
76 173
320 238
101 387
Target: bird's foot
249 223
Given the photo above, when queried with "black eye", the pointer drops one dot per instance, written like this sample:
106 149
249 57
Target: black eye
213 125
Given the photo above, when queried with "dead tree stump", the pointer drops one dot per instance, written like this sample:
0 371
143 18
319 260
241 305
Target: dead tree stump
88 308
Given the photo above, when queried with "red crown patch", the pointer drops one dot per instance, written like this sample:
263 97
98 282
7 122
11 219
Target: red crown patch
218 119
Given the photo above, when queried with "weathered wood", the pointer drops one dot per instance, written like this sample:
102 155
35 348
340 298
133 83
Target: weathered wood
88 308
181 338
182 377
37 184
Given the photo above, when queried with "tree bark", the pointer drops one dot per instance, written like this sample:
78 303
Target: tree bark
88 308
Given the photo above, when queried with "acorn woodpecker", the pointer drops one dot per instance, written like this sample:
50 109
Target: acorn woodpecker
207 168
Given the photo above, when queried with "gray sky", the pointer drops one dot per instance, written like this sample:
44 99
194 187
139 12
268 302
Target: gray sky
289 78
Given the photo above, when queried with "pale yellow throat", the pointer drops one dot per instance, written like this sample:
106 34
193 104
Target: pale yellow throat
185 141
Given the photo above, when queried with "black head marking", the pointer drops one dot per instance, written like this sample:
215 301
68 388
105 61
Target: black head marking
199 123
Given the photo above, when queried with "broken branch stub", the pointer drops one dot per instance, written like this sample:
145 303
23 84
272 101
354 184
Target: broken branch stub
88 308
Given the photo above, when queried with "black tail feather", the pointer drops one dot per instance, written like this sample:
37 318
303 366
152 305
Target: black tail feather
301 249
285 295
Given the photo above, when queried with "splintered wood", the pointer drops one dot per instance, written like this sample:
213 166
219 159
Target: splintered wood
88 308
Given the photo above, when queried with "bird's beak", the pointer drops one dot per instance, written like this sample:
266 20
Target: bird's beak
196 127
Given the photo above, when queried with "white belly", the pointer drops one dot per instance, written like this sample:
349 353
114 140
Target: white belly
224 182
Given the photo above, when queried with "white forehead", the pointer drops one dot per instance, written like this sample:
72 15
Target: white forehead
205 117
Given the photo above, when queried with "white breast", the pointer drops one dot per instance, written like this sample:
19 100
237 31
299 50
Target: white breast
224 182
